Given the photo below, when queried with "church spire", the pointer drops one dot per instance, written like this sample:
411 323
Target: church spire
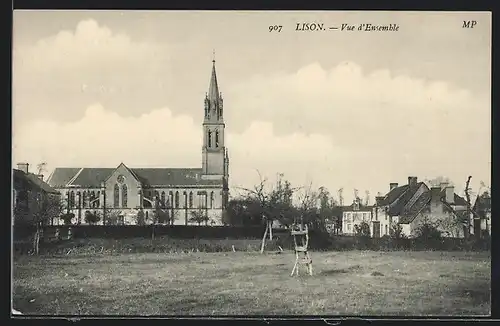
213 90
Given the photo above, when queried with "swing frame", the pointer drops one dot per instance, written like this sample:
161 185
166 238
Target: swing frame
301 232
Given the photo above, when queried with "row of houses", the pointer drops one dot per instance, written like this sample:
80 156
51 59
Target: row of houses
408 205
412 204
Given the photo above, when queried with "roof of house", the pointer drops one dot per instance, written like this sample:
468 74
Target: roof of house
393 194
31 181
482 203
93 177
399 203
409 213
361 208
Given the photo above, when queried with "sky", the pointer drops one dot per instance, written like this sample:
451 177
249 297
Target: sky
350 110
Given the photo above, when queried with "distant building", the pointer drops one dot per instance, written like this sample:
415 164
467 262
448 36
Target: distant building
179 192
355 214
414 203
482 214
30 194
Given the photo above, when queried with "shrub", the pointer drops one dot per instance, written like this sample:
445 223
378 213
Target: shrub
91 218
362 233
67 218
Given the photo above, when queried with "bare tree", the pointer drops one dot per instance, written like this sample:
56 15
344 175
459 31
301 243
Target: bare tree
308 210
341 197
41 167
49 207
467 197
270 202
367 198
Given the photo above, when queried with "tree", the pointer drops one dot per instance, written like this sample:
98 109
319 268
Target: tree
427 231
140 218
41 167
467 197
308 208
91 218
112 216
242 211
328 209
396 232
362 230
198 216
67 218
362 233
50 206
270 203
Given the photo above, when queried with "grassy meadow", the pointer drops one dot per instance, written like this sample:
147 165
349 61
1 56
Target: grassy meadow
238 283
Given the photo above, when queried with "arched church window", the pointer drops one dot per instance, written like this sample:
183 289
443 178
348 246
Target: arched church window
217 139
116 196
72 199
163 198
176 199
209 138
124 195
212 195
190 199
98 199
185 199
79 195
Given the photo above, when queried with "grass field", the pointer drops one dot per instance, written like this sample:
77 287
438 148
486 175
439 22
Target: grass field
344 283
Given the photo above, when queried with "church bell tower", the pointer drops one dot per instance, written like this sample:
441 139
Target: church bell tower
215 161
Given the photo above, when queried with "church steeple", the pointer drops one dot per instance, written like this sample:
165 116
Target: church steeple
213 99
213 90
215 158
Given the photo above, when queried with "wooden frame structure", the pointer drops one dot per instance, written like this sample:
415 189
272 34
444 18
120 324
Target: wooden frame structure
301 241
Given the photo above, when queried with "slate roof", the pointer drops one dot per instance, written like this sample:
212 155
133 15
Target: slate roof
409 213
93 177
31 181
394 194
61 176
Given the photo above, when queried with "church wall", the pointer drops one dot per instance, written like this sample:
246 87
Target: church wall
132 186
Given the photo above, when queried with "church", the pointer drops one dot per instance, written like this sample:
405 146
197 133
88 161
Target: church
124 191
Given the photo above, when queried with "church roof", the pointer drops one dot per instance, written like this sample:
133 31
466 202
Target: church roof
93 177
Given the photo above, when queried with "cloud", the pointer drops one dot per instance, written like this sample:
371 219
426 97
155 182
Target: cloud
87 44
61 75
396 123
159 138
340 127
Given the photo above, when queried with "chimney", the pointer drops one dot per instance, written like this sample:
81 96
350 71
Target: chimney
23 167
393 185
450 194
435 194
40 176
412 181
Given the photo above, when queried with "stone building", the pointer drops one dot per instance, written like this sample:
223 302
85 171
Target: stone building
30 196
354 214
123 191
413 204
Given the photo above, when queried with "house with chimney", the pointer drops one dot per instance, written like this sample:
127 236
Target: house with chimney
412 204
355 214
30 195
